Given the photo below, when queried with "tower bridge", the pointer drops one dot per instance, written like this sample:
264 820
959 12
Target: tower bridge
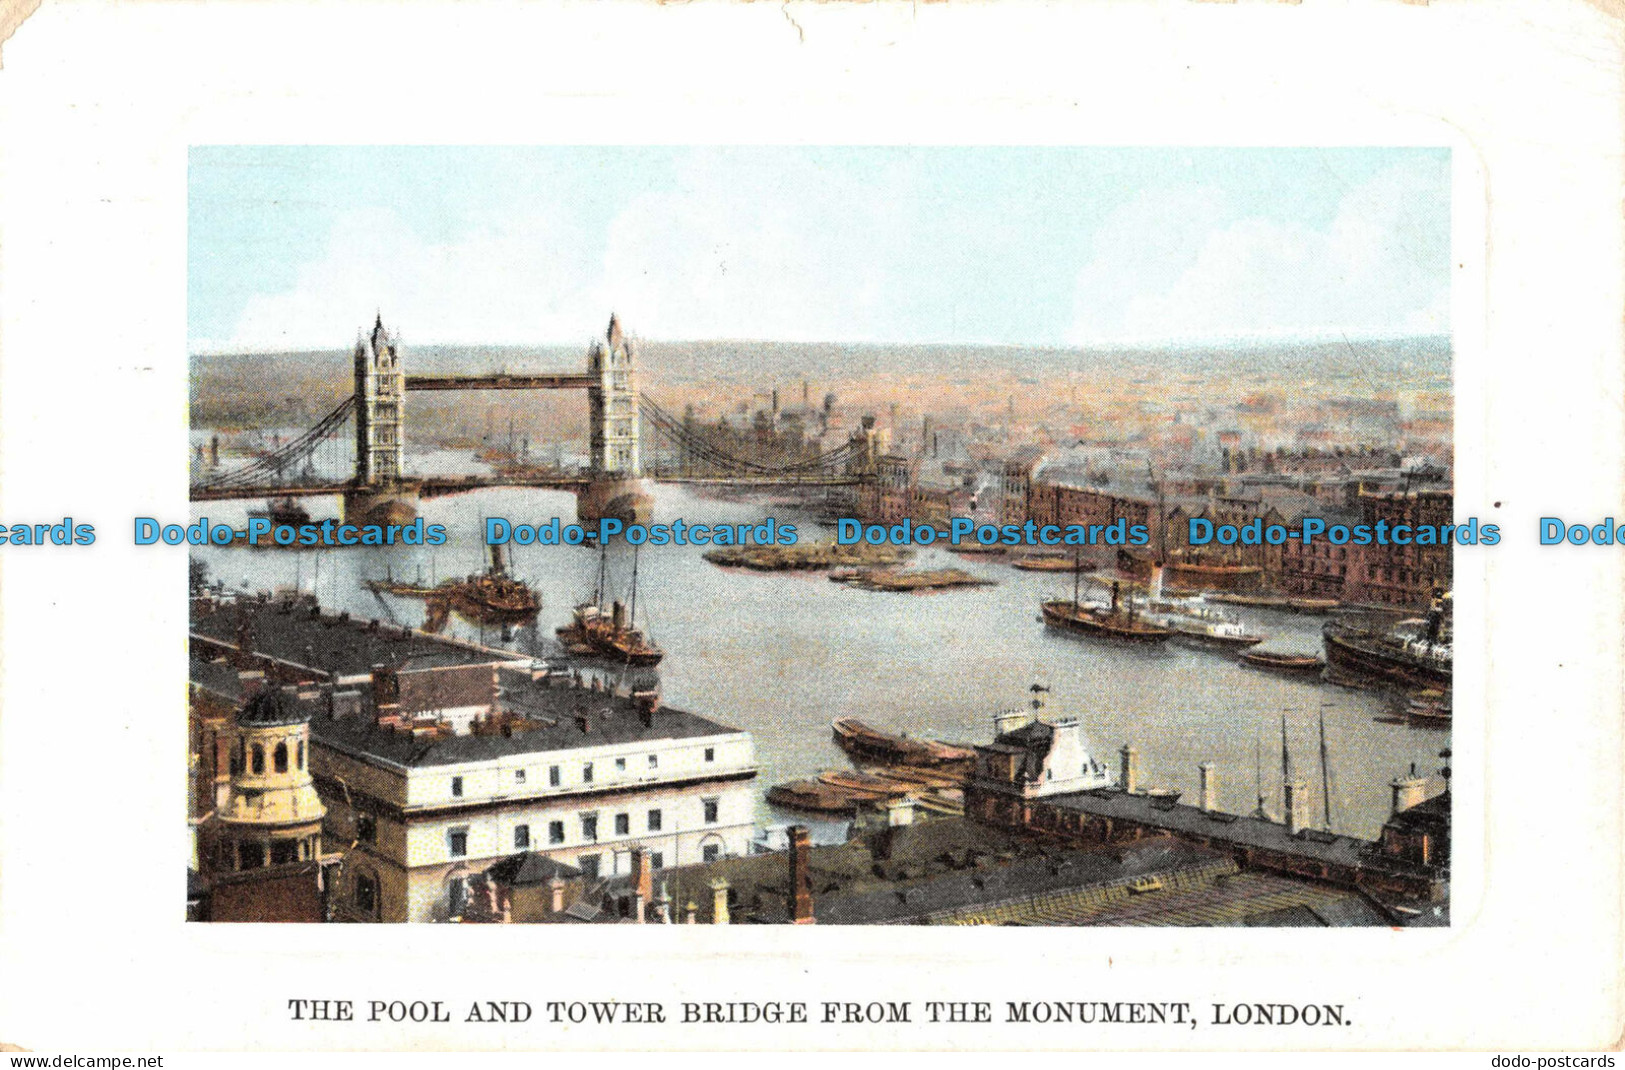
615 482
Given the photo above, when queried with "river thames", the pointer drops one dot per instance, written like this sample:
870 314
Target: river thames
782 654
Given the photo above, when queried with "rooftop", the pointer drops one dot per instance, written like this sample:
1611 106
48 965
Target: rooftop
1227 828
535 717
332 644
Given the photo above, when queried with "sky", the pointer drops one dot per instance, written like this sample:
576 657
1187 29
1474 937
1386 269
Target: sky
298 247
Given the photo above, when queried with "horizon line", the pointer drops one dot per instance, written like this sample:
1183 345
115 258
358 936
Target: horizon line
1163 345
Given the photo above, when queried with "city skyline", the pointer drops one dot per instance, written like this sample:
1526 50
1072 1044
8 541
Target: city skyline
294 248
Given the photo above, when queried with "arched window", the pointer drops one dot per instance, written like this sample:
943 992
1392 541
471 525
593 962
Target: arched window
259 758
301 761
237 758
280 757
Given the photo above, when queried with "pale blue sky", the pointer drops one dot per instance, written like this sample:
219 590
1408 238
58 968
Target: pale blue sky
296 247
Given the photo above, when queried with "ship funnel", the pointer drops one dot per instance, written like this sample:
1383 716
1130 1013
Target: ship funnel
618 614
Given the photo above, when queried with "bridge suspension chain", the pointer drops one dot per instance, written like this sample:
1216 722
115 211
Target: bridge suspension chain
699 447
271 466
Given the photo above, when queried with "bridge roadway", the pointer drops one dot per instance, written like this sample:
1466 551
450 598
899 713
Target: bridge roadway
504 381
440 486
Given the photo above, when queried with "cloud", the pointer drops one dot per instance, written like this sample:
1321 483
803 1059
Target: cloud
489 285
1164 268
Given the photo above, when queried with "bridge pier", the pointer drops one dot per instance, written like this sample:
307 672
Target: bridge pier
628 500
380 505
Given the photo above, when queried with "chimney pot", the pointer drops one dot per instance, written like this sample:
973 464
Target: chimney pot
1210 790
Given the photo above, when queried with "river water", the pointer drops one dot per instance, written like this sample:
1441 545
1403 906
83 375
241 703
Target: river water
781 654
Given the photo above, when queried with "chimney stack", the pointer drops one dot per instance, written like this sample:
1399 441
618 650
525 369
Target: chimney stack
1010 720
719 902
1210 789
1131 768
801 908
555 891
1408 790
1297 806
648 704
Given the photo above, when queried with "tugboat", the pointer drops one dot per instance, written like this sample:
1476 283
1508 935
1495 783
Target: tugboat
1412 653
611 634
493 597
1116 621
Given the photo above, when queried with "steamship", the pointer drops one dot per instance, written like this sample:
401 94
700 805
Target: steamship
1412 653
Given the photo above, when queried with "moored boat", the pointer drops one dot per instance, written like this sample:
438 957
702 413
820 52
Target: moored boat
861 741
1115 621
1286 664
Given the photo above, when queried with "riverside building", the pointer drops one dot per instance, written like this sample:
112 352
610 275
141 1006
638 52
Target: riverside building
441 758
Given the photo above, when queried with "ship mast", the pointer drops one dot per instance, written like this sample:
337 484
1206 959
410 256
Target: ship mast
1258 773
1077 573
1325 773
603 570
632 611
1286 757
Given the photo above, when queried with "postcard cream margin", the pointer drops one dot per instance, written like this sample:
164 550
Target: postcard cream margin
98 105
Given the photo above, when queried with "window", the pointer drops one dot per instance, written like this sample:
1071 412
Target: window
657 860
458 840
589 827
366 893
553 776
456 786
555 832
518 776
620 764
366 828
279 757
521 837
250 855
259 759
710 852
301 762
588 865
623 824
712 806
654 761
284 852
710 754
586 773
654 820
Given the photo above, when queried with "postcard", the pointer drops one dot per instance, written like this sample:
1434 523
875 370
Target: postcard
644 528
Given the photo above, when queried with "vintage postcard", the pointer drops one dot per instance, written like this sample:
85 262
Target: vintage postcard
839 533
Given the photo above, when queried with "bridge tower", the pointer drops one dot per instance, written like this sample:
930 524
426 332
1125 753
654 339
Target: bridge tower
617 488
380 432
612 402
